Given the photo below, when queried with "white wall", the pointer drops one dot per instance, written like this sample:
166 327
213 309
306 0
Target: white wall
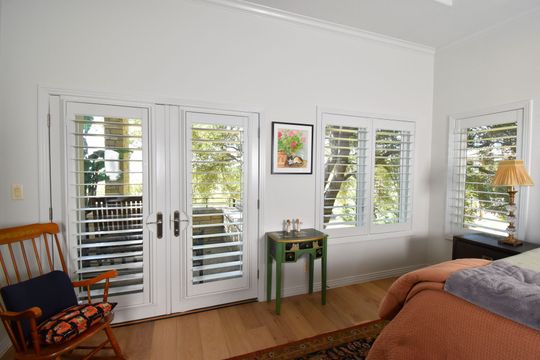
3 159
496 67
196 50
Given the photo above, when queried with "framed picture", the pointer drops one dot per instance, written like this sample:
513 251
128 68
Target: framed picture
292 148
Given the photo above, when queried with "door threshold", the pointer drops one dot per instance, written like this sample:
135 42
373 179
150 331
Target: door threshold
162 317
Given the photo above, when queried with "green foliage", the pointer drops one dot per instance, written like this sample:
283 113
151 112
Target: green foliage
344 159
390 167
94 168
485 147
290 141
217 165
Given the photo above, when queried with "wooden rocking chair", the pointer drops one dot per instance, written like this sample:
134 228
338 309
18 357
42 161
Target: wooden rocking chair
19 242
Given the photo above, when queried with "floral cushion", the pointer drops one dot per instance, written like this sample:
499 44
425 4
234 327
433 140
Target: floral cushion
73 321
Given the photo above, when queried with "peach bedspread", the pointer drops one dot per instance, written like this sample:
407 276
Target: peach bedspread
429 323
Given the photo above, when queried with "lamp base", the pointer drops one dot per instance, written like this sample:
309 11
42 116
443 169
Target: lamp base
510 240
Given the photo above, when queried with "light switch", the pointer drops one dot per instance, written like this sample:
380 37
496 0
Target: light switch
17 192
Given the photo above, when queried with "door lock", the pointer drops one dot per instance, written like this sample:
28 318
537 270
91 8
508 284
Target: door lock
159 224
177 221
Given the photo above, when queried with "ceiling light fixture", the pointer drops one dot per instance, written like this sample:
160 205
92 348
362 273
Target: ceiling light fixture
445 2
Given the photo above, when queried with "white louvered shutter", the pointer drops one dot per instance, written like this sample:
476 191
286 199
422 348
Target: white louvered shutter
392 175
105 164
345 179
218 175
479 144
345 171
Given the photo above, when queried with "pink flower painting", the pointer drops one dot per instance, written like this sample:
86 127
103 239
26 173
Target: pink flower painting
292 147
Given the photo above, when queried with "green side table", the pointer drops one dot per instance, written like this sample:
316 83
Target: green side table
288 247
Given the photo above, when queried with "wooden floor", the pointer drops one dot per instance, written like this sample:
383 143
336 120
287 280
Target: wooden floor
240 329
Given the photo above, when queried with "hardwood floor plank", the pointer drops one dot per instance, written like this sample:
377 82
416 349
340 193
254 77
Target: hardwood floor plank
164 340
320 322
357 305
334 311
300 326
189 344
278 328
235 330
247 315
259 338
136 345
214 342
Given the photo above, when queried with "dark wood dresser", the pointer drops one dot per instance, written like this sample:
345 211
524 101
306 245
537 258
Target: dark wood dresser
486 246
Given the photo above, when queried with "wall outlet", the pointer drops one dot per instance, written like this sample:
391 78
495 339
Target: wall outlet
17 192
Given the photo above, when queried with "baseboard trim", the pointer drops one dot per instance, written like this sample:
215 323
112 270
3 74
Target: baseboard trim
350 280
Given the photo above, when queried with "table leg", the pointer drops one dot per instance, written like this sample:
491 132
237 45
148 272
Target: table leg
269 263
311 266
279 257
323 271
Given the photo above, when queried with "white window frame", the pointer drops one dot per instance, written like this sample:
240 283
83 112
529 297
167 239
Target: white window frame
371 122
470 119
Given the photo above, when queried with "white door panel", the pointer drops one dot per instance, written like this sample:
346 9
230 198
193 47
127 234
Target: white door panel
215 254
110 176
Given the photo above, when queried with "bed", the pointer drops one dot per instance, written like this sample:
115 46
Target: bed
428 322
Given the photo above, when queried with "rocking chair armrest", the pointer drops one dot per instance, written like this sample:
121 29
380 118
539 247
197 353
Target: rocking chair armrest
106 275
15 333
30 313
89 282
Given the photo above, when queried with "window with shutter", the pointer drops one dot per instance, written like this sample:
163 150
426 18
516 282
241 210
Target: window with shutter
477 151
477 143
367 165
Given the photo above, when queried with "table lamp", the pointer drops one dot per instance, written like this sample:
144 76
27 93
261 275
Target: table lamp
511 173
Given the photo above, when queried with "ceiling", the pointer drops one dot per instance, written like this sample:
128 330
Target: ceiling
427 22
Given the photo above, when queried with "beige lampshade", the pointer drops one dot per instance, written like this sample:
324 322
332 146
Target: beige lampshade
512 173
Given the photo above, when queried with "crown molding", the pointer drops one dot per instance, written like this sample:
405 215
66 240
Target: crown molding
321 24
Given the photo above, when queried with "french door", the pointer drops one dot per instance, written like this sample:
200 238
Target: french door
164 194
214 207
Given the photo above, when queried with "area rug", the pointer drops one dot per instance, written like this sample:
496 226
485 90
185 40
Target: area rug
352 343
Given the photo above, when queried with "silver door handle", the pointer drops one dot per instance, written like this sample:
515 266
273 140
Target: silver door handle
177 221
159 223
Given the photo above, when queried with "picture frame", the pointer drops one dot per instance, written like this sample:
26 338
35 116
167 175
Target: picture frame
292 148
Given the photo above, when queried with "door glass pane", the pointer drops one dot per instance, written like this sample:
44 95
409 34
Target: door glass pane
107 186
217 173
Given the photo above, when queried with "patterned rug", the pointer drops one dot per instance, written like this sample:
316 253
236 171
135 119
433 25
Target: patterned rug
352 343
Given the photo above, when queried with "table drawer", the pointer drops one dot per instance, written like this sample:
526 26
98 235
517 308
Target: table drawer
466 250
290 256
